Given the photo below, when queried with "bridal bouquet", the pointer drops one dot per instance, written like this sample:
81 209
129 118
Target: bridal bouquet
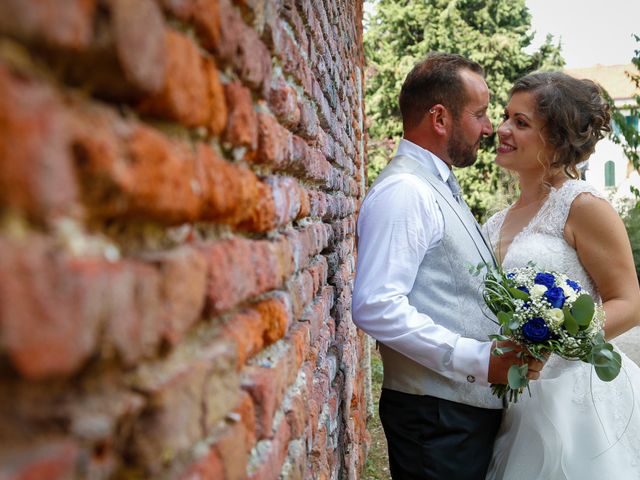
546 312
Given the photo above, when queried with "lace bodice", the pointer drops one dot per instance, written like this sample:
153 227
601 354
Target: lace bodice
582 427
542 240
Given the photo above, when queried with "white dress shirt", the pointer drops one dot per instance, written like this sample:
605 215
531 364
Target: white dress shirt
399 223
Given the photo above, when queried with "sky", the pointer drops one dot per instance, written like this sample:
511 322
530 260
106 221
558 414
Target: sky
591 31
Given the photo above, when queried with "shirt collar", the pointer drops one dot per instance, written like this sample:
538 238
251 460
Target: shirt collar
430 160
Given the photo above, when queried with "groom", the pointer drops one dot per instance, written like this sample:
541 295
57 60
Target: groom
413 290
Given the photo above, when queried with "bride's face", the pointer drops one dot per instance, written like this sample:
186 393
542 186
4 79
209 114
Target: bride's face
522 146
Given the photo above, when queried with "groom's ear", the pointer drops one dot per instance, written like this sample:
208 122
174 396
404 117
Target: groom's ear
440 119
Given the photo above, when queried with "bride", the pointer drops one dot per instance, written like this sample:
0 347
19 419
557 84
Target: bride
573 426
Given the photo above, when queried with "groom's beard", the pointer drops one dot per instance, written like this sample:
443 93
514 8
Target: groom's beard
461 153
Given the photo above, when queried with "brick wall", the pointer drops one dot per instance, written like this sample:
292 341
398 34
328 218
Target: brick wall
178 187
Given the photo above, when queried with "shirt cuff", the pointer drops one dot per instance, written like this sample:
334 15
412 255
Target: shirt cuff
471 361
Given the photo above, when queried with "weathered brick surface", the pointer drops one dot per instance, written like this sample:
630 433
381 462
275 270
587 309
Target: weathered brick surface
178 191
185 95
36 178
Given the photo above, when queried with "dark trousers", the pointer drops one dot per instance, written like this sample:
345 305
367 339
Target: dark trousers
434 439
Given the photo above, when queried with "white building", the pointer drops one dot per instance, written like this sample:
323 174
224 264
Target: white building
608 169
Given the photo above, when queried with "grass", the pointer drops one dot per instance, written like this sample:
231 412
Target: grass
377 466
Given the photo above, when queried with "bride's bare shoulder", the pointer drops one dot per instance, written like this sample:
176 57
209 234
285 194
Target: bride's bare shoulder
592 216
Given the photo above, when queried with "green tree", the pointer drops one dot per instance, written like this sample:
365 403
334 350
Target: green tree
494 33
629 134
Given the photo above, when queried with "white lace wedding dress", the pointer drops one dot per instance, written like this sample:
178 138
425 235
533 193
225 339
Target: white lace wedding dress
573 426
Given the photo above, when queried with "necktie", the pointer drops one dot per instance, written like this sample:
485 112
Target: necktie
455 188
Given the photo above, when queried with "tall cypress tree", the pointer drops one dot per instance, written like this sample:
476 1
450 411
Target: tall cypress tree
494 33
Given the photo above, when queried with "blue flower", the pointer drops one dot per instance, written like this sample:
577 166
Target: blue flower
524 289
555 296
511 275
574 285
535 330
546 279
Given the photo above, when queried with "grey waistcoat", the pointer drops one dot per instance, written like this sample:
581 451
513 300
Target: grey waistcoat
446 291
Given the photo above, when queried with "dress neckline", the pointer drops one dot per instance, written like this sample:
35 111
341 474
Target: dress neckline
552 191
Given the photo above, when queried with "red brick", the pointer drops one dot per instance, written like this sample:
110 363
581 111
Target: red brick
301 290
203 13
290 199
283 102
163 172
188 394
276 317
275 142
240 269
262 215
299 337
172 422
218 112
242 125
297 413
63 24
185 96
131 170
273 458
55 459
230 191
139 31
231 447
318 203
343 229
296 462
309 126
209 467
308 242
310 163
292 61
241 48
135 321
120 55
37 175
183 275
267 386
290 13
247 330
50 307
319 313
246 411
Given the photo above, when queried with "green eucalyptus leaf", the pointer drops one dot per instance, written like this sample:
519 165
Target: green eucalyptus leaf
513 324
504 317
608 372
570 322
583 309
517 376
499 337
502 350
518 294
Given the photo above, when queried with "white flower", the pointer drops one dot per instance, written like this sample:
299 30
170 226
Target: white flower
569 292
556 316
538 290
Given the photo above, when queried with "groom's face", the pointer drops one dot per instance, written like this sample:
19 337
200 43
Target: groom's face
472 122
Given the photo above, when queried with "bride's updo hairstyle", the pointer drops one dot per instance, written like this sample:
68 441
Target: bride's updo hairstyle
574 112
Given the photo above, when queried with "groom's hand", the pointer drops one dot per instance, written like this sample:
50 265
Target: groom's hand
499 364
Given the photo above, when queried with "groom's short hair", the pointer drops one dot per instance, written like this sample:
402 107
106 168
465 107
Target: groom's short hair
436 79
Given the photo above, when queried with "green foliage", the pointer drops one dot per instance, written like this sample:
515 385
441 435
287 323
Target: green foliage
629 136
494 33
632 224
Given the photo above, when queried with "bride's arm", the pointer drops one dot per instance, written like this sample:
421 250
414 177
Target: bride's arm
599 236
